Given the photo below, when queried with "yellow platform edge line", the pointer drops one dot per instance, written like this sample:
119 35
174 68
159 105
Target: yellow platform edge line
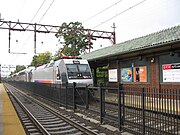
11 122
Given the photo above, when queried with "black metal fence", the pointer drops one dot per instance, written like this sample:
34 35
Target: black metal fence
68 95
143 110
136 110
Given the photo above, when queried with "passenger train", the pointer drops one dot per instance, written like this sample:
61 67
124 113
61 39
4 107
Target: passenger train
66 70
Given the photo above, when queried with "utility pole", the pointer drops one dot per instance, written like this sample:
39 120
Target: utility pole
114 28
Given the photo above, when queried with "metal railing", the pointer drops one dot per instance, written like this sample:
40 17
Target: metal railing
137 110
143 110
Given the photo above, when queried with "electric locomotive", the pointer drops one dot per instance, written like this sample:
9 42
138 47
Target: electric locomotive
65 70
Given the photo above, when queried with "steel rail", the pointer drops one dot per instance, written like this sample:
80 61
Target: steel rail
58 114
30 115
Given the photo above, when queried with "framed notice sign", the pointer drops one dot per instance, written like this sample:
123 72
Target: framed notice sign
140 74
171 72
113 75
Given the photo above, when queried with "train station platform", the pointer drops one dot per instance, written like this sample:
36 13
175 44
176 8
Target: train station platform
9 121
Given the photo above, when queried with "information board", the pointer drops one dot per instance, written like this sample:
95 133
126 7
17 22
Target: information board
113 75
171 72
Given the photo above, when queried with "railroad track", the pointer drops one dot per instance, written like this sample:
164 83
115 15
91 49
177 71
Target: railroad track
155 123
39 118
133 121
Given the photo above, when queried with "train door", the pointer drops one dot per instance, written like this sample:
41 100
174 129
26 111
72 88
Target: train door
63 73
58 75
29 77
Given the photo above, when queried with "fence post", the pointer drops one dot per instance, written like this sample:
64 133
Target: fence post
66 94
143 110
123 104
87 97
74 93
120 120
101 104
33 87
60 90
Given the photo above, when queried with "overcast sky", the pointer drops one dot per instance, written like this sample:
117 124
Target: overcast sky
131 22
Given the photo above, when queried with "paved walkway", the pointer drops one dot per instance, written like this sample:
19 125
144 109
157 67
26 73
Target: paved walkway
9 121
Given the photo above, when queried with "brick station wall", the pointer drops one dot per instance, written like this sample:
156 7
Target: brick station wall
154 73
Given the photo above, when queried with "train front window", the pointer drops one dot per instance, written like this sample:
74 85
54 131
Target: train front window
78 71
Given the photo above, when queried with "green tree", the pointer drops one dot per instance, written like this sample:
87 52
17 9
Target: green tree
41 59
57 54
18 68
102 75
74 37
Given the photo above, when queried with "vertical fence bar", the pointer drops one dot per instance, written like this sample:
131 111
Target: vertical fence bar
66 94
101 104
177 108
162 104
103 99
169 110
168 105
165 106
120 120
60 90
74 93
123 105
174 113
87 97
143 111
49 91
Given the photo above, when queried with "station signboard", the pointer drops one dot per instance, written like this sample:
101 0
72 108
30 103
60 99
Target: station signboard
171 72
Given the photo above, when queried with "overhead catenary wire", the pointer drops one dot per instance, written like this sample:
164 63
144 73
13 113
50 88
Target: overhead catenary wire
22 8
120 13
41 17
32 20
35 13
102 11
38 10
152 12
46 10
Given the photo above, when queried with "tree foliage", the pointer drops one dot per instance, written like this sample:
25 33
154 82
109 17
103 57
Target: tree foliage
74 37
41 59
18 68
75 43
57 54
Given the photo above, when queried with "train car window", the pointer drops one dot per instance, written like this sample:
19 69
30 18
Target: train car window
83 68
72 68
78 71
